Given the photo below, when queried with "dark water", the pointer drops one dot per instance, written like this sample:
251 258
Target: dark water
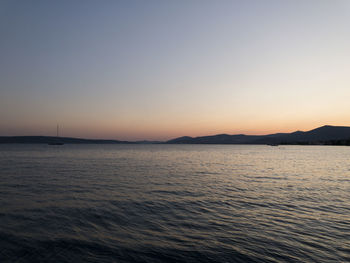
169 203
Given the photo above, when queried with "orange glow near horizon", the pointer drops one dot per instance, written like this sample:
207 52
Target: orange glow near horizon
164 132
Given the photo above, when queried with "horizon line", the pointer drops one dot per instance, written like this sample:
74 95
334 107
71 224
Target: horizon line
150 140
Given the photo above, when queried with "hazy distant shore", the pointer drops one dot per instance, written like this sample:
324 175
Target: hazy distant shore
51 139
325 135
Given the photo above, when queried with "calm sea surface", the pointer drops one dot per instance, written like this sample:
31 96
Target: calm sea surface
174 203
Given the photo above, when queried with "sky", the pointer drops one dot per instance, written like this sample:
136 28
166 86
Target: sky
156 70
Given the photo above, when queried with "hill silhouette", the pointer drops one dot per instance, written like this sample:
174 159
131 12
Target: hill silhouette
325 135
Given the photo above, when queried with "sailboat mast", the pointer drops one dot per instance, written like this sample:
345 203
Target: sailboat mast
56 141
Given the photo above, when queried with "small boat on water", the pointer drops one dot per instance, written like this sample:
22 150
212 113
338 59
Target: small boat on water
57 141
273 144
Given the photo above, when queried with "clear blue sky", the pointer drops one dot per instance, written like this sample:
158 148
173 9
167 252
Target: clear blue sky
162 69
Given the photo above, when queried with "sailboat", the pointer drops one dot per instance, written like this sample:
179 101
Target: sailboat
57 141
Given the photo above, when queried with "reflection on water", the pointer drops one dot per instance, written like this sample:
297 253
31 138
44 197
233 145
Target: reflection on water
174 203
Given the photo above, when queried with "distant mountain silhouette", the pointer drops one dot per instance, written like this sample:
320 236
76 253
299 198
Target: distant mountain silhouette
325 135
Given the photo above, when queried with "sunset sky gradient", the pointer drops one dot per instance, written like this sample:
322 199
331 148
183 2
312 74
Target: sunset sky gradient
156 70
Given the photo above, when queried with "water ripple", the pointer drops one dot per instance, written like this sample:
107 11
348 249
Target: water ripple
178 203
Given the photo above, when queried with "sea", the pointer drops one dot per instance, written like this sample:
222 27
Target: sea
174 203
